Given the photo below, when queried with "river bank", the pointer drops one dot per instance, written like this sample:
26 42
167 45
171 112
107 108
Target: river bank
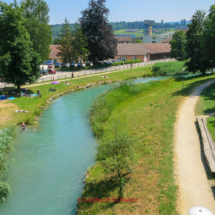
148 117
34 104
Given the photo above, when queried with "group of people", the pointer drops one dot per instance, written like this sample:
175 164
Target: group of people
21 111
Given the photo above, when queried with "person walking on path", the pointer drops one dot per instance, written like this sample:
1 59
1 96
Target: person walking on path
38 92
23 126
72 75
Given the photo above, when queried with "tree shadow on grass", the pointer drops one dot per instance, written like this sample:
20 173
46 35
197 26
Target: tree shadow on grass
188 87
13 92
102 189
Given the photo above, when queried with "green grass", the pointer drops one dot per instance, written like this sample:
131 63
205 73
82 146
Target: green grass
34 104
147 112
169 68
123 31
206 105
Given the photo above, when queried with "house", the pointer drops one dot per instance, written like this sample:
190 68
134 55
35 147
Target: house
152 38
143 51
130 51
124 39
53 54
158 51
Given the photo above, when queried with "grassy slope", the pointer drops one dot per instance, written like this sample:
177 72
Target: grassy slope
34 104
206 105
149 117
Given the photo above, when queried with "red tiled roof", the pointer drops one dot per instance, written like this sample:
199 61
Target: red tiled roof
54 51
124 39
155 48
131 49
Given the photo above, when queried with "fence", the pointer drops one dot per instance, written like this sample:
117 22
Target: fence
95 71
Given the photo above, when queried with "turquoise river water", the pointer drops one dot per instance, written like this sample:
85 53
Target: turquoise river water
49 165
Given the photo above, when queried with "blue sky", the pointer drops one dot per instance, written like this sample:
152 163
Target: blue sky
128 10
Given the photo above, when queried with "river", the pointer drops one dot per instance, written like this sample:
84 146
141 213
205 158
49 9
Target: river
48 171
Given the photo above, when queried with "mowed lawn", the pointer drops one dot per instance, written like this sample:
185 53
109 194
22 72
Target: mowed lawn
7 108
149 118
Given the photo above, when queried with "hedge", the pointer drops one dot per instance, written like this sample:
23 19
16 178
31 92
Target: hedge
132 61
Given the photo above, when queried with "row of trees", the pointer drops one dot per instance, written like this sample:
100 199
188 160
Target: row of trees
197 46
91 39
25 37
56 29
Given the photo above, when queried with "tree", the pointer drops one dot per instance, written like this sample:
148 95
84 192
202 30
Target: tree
79 45
19 63
36 14
138 41
196 62
116 158
66 43
102 43
56 41
178 45
208 40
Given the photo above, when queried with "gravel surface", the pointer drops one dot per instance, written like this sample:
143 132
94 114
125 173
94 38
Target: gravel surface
194 186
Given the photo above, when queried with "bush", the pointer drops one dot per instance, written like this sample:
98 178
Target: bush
132 61
169 68
117 63
6 140
4 191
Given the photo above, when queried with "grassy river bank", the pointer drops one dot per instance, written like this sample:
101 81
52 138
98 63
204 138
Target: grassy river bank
147 112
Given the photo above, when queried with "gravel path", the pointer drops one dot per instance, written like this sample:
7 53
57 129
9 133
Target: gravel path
194 187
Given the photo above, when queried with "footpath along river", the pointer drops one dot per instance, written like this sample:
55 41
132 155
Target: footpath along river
49 165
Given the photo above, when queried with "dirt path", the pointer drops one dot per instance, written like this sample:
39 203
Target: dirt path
194 187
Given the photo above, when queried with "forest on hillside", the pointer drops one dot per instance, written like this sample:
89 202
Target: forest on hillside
131 25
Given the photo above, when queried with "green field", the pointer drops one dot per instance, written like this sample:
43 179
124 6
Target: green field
140 34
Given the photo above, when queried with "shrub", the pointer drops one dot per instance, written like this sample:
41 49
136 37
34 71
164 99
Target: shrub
6 140
169 68
4 191
117 63
132 61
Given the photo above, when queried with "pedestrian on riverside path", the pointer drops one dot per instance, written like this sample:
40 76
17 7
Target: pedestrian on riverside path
72 75
38 92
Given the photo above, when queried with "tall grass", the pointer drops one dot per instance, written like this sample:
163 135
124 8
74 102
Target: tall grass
6 144
104 104
169 68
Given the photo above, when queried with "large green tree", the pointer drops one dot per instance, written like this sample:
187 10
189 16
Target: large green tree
197 62
208 38
65 42
19 63
36 14
178 45
102 43
79 45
